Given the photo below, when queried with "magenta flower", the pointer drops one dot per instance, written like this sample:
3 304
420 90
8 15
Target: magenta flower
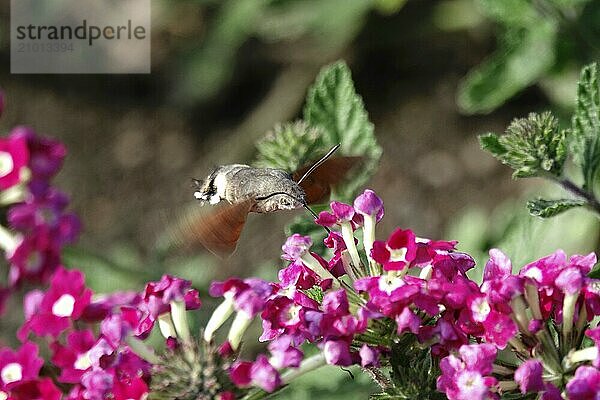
499 329
64 302
369 356
159 294
97 383
283 353
46 155
130 389
585 385
41 389
337 352
18 367
467 376
260 373
397 252
295 246
529 376
35 259
369 204
73 358
14 156
249 295
341 212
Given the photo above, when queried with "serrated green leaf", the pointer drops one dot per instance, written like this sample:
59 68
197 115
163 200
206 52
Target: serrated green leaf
334 106
532 146
585 126
290 146
315 293
523 56
491 143
549 208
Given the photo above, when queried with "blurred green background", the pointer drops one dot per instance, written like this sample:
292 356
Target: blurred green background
433 75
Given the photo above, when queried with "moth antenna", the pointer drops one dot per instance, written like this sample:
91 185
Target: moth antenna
318 163
306 206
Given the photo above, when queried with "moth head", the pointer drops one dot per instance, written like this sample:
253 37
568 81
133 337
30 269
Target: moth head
204 188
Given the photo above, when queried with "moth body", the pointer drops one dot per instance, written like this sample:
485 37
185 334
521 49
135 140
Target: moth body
269 189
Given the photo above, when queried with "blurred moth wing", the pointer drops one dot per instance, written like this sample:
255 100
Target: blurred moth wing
218 229
317 186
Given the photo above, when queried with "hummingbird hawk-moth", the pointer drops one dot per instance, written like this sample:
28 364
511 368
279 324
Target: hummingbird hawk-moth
236 190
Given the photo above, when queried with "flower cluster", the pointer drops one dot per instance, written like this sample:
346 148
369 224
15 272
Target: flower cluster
526 333
38 223
95 343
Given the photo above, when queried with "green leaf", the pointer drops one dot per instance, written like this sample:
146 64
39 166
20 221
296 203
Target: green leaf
334 106
413 372
549 208
585 126
595 274
524 55
532 146
290 146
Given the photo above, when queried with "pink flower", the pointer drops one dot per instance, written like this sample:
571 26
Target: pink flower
64 302
397 252
249 295
283 353
17 367
594 334
337 352
130 389
14 155
529 376
341 213
585 385
73 359
260 373
295 247
46 155
369 204
41 389
369 356
499 329
467 377
35 259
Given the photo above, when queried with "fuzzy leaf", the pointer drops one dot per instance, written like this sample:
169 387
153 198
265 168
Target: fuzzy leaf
532 146
413 372
290 146
334 106
523 56
585 127
549 208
